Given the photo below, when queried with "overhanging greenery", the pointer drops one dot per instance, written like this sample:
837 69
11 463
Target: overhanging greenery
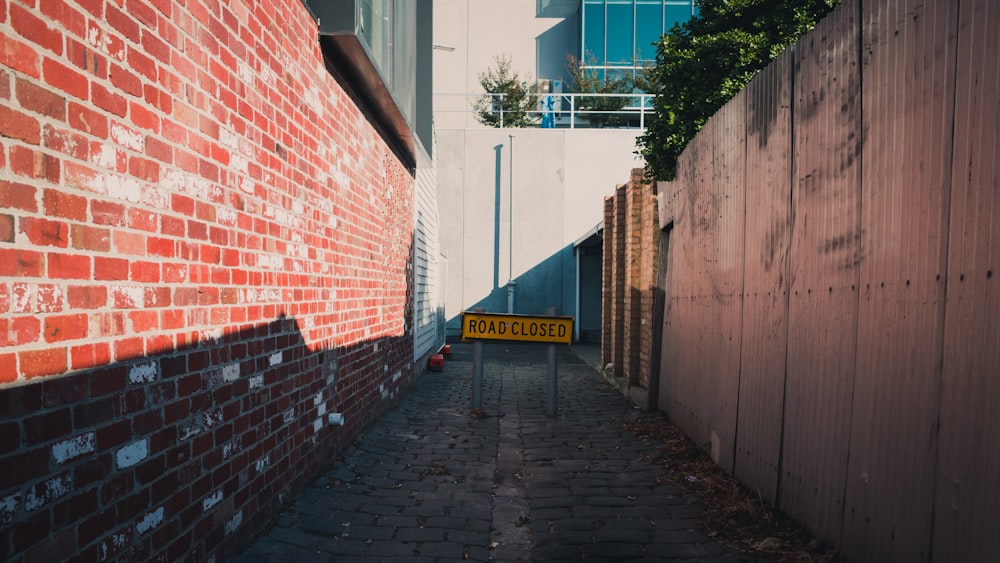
702 64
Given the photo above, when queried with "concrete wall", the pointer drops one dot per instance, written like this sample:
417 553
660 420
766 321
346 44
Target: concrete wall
468 35
560 180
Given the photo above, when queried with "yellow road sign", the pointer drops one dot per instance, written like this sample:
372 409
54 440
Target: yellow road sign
520 328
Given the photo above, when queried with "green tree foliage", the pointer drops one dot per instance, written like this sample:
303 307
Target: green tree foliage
600 111
508 101
702 64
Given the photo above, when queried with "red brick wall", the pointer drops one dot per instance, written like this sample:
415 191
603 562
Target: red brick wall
204 250
631 250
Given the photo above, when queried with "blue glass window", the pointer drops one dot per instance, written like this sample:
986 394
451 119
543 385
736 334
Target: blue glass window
676 13
593 32
648 30
620 33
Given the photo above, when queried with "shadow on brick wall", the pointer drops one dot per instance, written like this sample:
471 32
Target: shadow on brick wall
183 455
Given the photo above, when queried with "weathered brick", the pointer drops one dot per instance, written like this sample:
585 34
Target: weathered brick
89 355
37 363
66 79
10 438
107 213
68 511
68 266
18 196
19 125
57 203
23 467
89 60
66 327
44 232
110 269
95 525
27 24
91 413
19 55
6 228
39 99
88 120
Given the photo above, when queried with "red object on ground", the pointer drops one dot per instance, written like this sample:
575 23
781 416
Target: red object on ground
446 350
436 362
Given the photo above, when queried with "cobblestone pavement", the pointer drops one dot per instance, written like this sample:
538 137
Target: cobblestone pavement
429 482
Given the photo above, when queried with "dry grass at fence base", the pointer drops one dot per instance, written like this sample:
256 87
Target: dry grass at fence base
733 515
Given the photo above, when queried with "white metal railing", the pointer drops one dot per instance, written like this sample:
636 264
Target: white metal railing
564 112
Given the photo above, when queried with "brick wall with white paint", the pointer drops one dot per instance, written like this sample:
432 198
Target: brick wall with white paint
205 249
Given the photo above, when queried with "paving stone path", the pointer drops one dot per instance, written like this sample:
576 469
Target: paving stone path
431 483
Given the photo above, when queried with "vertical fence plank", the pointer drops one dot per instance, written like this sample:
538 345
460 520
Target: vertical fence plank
700 360
907 84
825 259
765 292
967 514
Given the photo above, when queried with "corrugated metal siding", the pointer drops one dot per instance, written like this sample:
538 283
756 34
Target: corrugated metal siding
907 87
727 275
825 255
688 319
967 501
428 268
710 224
888 434
765 294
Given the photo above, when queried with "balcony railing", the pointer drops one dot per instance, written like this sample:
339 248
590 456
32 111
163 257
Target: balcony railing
564 111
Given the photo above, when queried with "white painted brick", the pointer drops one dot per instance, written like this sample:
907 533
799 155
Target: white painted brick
8 507
246 184
225 216
231 372
189 430
232 447
114 544
212 500
228 138
153 196
50 490
49 299
74 447
317 424
234 522
123 187
212 418
130 295
256 381
275 359
146 372
105 157
263 463
239 163
132 454
288 416
128 138
150 521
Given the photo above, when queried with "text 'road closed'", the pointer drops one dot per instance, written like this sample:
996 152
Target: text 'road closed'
521 328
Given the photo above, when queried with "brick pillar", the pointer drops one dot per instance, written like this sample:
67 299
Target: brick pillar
648 260
607 282
619 282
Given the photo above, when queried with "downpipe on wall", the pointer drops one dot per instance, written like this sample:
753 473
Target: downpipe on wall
511 284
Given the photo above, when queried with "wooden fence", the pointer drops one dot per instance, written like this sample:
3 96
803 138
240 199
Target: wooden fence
831 322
